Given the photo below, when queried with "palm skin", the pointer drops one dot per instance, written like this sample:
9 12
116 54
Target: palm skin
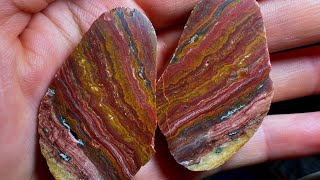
37 36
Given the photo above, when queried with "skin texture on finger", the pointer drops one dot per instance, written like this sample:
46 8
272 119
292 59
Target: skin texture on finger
17 132
16 14
296 73
31 6
291 24
280 136
14 141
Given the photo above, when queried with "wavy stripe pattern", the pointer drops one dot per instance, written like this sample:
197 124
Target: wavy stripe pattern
207 97
97 120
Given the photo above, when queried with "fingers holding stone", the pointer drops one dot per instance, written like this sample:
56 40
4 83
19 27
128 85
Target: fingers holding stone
280 136
289 24
70 19
296 24
296 73
51 36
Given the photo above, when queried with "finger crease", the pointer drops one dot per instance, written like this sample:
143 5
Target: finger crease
75 19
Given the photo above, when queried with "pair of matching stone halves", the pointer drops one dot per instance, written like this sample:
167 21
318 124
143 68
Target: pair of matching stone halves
99 115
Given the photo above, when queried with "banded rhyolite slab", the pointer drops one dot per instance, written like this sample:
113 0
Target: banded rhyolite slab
216 89
97 120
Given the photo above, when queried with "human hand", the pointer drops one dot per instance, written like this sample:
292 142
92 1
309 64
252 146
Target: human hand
36 37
